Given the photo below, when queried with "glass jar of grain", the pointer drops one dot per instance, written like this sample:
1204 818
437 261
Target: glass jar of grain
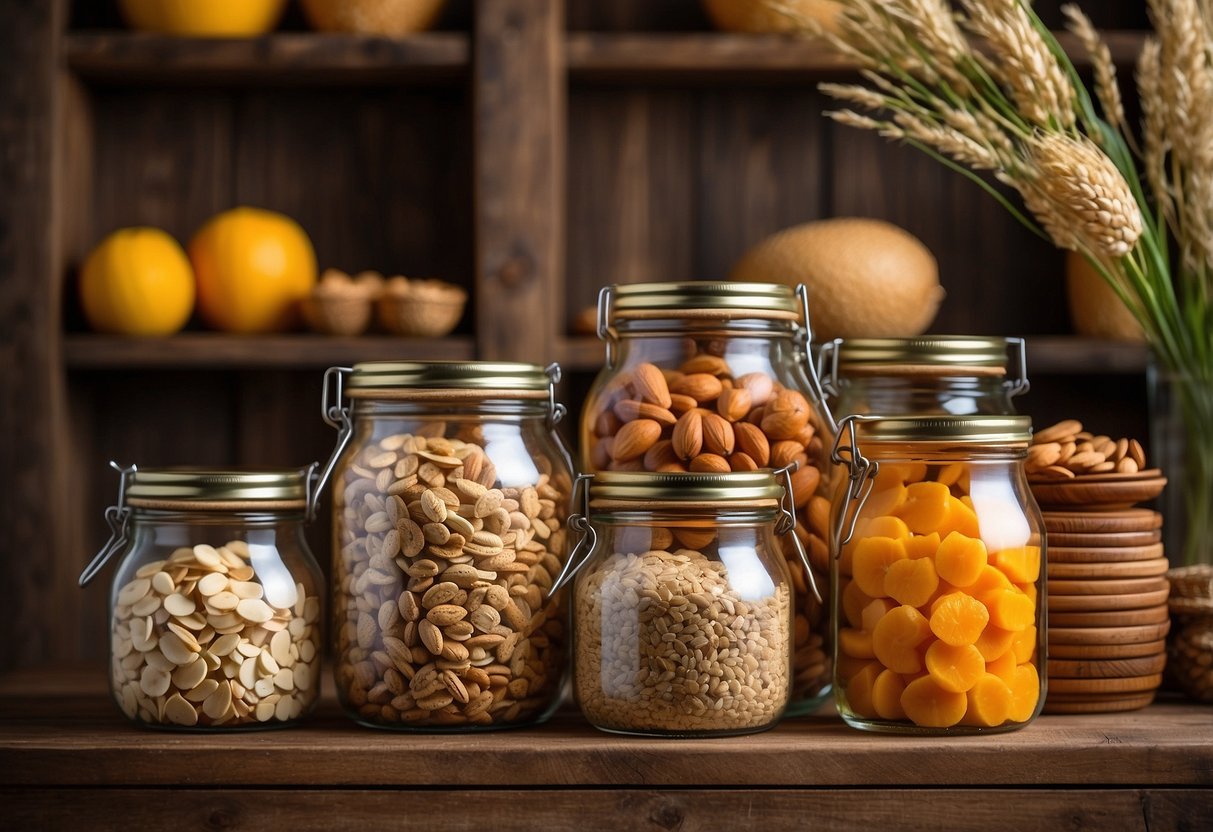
683 603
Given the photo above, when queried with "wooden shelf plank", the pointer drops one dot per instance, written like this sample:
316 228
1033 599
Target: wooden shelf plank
285 58
211 350
60 728
710 56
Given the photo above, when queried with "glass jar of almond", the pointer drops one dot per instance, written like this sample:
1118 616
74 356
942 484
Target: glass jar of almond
450 499
215 610
715 377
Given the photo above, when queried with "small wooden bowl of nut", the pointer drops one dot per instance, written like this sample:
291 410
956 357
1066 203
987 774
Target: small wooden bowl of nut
1071 467
340 304
421 308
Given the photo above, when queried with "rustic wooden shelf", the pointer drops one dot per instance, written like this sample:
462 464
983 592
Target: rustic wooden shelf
715 57
283 58
210 350
64 746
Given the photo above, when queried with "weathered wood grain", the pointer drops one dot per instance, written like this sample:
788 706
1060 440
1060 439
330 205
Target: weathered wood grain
843 810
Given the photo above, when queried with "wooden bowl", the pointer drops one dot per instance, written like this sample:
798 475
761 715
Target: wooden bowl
1102 522
1100 490
1106 651
1108 635
1097 540
343 315
1152 568
1112 554
1101 603
1111 618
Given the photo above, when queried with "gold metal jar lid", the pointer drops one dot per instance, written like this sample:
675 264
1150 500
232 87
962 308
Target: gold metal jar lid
620 489
923 354
955 430
204 488
699 299
448 379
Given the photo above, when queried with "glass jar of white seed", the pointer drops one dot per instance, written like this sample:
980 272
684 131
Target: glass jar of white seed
216 605
683 605
450 500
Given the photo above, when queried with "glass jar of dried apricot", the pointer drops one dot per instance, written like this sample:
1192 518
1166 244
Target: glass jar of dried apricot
216 606
937 581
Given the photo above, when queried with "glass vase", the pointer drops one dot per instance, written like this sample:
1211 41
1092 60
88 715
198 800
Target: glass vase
1181 439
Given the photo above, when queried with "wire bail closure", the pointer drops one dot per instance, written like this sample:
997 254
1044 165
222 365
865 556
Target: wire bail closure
336 414
578 522
1018 357
556 410
606 333
116 517
787 524
810 366
862 476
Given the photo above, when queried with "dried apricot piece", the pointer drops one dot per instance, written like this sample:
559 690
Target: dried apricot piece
886 695
873 557
990 701
911 582
955 668
960 559
853 602
855 643
875 611
897 636
1003 667
921 545
1025 693
899 473
926 506
990 578
958 619
929 705
859 690
1009 609
994 642
1020 564
1024 644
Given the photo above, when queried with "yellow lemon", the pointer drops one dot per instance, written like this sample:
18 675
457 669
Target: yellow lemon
138 281
253 268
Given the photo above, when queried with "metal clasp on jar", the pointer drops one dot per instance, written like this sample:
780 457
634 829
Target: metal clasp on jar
862 480
117 518
578 522
805 335
336 414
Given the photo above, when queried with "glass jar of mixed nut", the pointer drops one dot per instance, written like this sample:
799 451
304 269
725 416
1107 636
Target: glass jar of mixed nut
715 377
939 589
683 604
215 611
451 494
926 374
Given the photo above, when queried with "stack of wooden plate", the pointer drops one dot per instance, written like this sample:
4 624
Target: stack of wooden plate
1108 616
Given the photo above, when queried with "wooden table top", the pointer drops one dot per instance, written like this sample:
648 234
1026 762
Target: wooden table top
61 729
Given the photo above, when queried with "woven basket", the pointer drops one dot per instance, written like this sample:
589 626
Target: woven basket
1190 648
391 18
421 308
338 315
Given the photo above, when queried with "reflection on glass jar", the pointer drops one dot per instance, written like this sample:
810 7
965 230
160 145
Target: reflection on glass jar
215 611
449 504
939 587
710 378
683 605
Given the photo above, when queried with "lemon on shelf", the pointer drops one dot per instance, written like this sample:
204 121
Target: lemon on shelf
253 267
203 18
137 281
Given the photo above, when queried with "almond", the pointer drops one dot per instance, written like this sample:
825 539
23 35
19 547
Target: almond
804 484
710 464
600 453
742 462
634 439
733 403
755 415
786 452
758 385
786 415
806 434
680 404
702 387
717 434
606 424
751 441
650 385
706 363
688 434
662 453
630 409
